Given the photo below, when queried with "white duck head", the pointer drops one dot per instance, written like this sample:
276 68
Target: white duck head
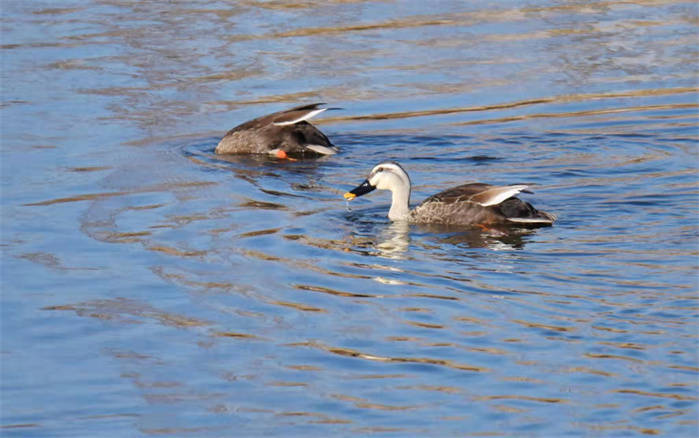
387 175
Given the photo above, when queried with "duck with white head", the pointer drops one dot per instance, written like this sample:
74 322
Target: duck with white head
467 205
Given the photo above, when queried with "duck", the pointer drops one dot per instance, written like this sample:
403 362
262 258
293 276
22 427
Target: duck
473 204
284 134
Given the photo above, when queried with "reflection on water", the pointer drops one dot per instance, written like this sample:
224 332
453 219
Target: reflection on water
151 287
394 241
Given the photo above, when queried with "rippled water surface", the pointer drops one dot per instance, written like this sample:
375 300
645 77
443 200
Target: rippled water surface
150 287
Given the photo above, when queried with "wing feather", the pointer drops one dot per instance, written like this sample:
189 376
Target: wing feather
496 195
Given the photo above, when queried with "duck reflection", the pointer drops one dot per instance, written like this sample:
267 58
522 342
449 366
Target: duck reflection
393 241
505 238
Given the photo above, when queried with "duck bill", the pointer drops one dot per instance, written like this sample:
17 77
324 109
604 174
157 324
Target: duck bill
360 190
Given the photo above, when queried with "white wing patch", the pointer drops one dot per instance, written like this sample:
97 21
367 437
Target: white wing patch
531 220
496 195
309 115
321 149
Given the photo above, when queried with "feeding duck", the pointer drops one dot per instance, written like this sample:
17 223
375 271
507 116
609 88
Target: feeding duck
468 204
283 134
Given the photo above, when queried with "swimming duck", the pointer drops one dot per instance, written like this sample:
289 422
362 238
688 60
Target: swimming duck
469 204
283 134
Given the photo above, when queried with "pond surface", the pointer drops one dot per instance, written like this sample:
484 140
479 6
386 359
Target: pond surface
150 287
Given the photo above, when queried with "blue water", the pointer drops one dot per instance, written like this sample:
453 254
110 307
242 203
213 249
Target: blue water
150 287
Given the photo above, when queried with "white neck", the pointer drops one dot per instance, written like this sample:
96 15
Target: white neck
400 208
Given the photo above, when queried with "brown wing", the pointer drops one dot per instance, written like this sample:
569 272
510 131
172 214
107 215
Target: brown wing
278 117
460 193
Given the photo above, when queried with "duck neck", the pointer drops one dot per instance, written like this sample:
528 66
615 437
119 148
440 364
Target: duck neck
400 204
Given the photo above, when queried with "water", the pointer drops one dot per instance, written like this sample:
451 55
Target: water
150 287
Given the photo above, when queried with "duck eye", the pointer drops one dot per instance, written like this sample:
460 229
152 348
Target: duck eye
380 169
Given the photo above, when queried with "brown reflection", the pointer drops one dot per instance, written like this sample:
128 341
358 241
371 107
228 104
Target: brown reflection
530 102
655 394
444 389
235 335
290 385
391 24
627 345
258 233
586 370
299 306
174 251
378 376
493 238
305 367
393 241
425 325
321 418
414 360
612 356
261 205
364 404
521 397
326 290
125 310
578 114
201 285
544 326
434 296
629 428
97 196
89 168
609 329
85 197
301 264
509 410
20 426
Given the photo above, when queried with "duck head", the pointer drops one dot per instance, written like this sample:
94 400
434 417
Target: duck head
388 175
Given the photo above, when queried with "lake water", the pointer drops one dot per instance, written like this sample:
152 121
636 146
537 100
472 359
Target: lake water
152 288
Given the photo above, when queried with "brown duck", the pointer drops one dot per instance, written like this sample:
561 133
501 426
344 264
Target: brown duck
284 134
468 204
